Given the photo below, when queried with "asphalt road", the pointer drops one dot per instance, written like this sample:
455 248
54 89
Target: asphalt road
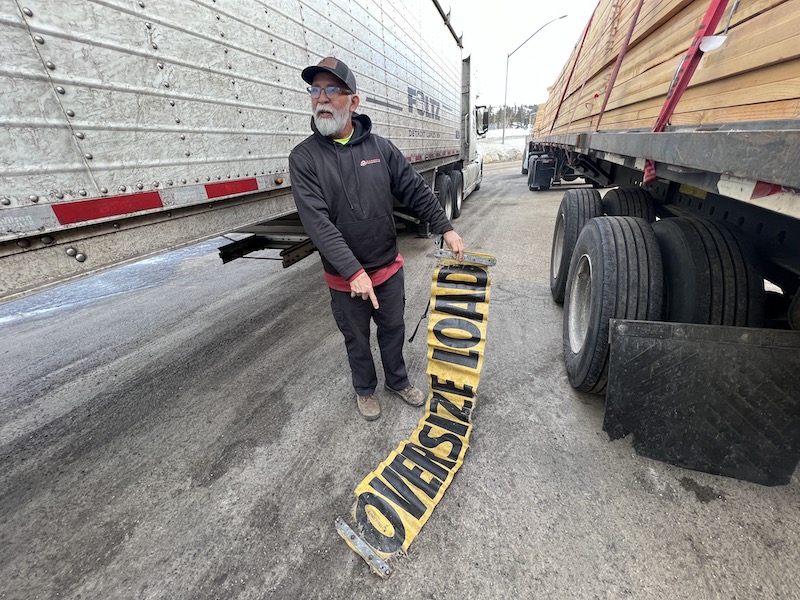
181 429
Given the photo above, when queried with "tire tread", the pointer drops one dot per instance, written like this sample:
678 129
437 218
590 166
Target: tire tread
630 280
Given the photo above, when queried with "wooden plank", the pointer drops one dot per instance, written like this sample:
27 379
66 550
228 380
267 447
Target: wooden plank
763 32
770 93
768 39
629 93
743 50
676 34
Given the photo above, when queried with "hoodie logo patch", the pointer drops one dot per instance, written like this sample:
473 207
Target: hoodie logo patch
371 161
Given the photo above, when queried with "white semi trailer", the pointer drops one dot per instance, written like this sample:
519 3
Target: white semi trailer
131 127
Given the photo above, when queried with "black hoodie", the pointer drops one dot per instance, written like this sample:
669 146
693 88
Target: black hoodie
344 196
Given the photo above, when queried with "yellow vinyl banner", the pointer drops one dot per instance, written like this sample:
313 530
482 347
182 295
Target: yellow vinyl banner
398 497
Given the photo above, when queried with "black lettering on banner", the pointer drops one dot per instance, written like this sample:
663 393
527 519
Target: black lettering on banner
480 276
462 414
399 492
461 324
460 429
435 465
464 305
394 501
414 476
446 438
373 537
450 387
469 360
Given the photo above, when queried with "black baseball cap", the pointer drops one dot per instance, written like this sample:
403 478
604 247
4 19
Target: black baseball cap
333 66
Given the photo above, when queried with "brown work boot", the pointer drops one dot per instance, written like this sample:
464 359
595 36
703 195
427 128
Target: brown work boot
410 395
368 407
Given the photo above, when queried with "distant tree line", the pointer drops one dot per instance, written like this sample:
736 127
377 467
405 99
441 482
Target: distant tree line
516 116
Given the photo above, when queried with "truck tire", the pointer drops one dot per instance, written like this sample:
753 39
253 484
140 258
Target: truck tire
529 172
630 202
577 207
712 275
457 182
615 273
445 190
525 160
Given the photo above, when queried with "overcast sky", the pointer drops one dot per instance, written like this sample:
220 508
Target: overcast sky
492 29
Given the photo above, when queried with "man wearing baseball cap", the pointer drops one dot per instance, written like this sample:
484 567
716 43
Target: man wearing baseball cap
344 181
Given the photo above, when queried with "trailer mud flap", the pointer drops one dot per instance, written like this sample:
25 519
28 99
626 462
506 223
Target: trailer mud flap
722 400
398 497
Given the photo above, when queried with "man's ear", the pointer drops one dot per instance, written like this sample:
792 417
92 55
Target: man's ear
354 103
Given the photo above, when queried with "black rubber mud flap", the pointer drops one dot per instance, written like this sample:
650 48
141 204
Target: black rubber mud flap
540 173
723 400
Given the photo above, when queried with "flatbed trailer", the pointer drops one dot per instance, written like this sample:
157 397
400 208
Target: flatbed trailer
689 111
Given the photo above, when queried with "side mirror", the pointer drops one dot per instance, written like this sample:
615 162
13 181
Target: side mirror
481 120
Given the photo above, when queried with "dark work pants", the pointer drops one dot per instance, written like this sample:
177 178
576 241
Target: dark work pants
353 317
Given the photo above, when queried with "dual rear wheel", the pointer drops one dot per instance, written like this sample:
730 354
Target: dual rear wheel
623 266
450 187
615 272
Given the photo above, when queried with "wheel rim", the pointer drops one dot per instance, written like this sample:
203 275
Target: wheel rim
580 303
448 206
558 247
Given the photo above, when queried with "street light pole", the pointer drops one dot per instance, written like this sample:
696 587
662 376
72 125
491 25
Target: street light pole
505 100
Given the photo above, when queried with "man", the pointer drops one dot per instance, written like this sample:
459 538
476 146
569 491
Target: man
344 179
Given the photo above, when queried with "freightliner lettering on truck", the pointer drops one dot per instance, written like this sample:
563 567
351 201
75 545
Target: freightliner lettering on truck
681 284
129 131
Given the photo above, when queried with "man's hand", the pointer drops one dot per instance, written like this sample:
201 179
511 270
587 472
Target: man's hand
455 243
361 286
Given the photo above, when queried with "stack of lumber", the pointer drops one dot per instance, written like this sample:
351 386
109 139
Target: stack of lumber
753 76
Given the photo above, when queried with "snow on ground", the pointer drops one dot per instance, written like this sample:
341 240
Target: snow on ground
494 150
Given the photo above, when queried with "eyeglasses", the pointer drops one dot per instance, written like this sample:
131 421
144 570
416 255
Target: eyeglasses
331 91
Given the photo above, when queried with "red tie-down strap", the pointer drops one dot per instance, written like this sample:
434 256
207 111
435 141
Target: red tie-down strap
684 74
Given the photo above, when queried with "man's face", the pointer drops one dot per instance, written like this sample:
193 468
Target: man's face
332 115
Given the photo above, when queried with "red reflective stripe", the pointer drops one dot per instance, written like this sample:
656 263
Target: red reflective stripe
764 189
229 188
99 208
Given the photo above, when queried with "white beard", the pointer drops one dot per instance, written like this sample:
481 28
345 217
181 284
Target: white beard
331 126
